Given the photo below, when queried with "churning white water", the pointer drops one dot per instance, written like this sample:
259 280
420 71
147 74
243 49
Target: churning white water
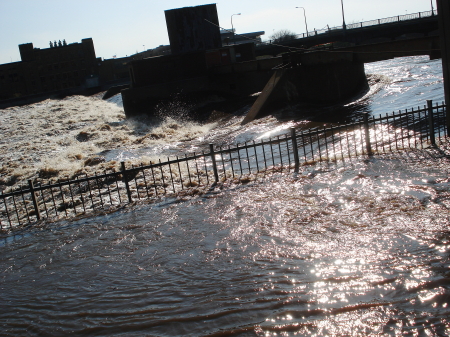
359 248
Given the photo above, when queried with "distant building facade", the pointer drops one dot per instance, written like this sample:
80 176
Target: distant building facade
116 70
12 80
65 68
229 37
58 68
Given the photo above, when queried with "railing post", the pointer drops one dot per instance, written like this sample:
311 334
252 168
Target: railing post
295 149
127 186
367 134
431 122
213 158
33 196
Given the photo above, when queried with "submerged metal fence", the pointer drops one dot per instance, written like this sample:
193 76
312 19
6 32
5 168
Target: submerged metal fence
193 174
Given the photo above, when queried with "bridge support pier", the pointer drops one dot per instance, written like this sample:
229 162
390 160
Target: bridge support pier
321 83
328 83
443 7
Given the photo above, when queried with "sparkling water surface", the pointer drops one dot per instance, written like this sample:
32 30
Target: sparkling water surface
357 248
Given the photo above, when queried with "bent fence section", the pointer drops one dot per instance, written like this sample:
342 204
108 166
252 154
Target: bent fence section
410 129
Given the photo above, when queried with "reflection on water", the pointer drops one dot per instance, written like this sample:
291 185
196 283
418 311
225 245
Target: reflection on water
347 249
336 250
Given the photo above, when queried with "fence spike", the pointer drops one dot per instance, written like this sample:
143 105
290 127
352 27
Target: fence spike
213 158
33 197
125 180
367 134
295 149
431 122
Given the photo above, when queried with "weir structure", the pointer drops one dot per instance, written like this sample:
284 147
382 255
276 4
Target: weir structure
200 65
333 75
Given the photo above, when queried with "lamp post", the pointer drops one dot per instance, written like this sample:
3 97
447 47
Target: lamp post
232 28
306 25
432 9
343 19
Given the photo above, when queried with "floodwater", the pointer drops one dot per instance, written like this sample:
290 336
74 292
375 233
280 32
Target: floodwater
349 249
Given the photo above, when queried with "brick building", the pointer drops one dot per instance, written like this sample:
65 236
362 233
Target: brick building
12 80
60 68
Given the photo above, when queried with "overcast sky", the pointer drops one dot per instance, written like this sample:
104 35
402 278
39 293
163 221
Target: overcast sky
122 28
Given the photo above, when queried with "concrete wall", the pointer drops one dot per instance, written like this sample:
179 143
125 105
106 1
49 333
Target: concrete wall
188 30
114 69
327 83
163 69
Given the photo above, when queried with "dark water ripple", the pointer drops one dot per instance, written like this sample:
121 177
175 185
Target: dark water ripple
353 250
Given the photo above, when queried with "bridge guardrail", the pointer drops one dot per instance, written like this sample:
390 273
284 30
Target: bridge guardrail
194 173
392 19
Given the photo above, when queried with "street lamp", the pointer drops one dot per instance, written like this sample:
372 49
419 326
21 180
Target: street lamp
432 9
343 19
232 29
304 14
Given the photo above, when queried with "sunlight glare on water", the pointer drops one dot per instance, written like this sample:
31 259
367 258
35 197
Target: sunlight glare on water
349 248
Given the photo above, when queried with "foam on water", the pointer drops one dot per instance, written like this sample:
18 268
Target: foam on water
350 248
60 135
55 138
412 80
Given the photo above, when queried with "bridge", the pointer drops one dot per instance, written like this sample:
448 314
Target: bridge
328 66
423 24
325 66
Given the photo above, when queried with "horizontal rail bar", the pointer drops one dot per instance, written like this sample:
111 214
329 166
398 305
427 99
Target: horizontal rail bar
283 153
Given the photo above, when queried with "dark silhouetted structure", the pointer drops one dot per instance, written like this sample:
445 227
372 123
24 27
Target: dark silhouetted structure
193 29
61 68
196 45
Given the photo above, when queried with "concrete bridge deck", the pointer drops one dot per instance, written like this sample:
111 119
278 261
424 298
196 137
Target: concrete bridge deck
382 30
374 52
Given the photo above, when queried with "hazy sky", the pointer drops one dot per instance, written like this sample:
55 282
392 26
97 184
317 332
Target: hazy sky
124 27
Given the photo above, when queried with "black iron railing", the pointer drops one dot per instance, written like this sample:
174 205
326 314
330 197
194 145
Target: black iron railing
195 173
392 19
